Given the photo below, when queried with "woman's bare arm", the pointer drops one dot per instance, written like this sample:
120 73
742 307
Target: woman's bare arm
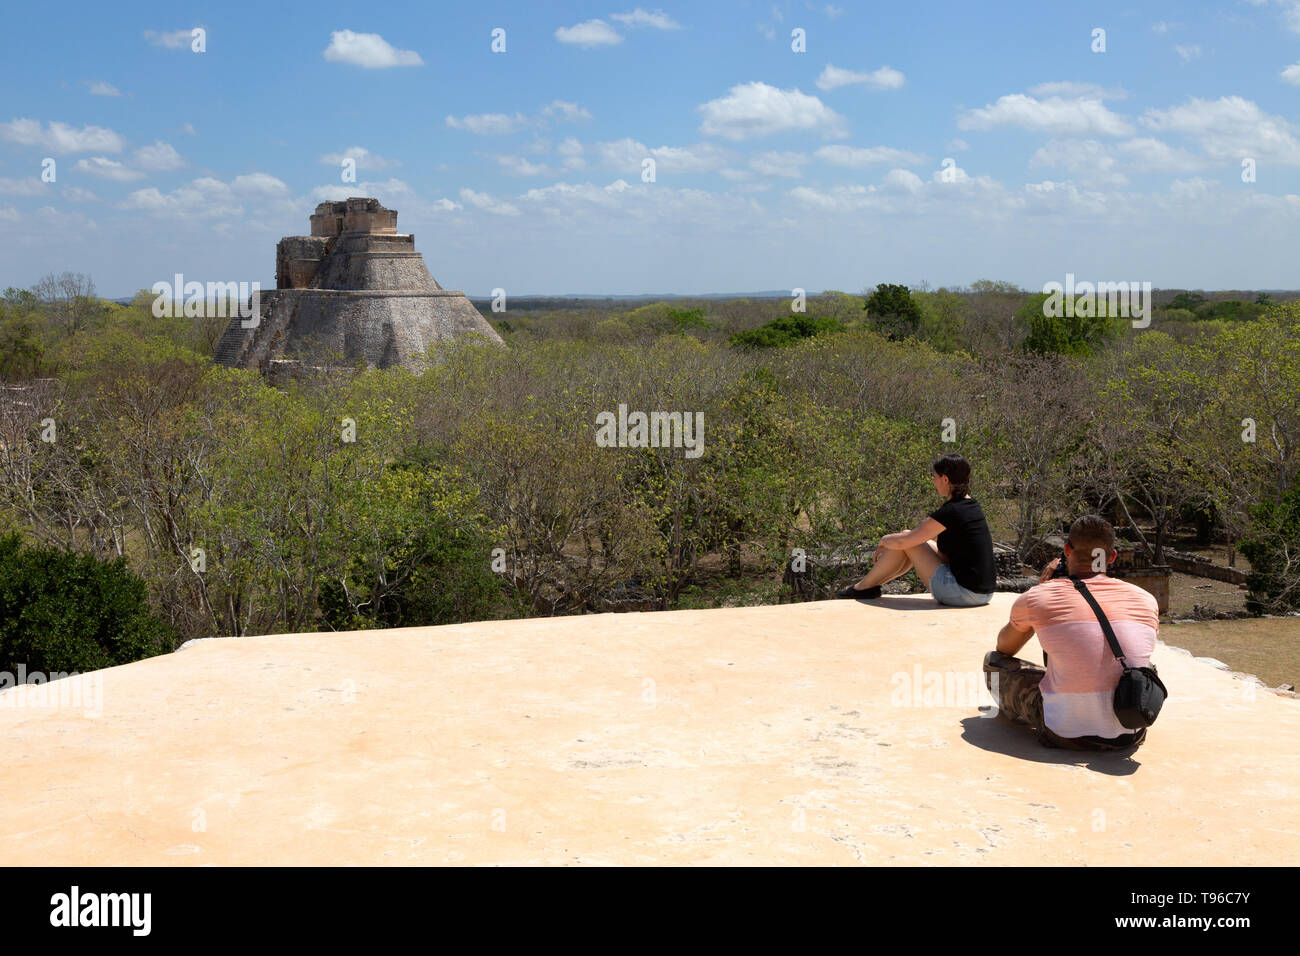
927 530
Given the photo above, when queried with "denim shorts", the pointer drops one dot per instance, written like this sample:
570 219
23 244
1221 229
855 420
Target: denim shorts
946 590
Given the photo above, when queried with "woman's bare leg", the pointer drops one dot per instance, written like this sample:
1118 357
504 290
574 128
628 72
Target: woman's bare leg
925 558
889 565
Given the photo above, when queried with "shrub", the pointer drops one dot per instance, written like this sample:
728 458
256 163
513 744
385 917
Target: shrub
63 611
786 330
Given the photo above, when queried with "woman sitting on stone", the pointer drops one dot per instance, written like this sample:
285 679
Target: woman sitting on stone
952 549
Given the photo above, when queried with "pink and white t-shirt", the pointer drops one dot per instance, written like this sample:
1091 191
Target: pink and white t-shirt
1079 686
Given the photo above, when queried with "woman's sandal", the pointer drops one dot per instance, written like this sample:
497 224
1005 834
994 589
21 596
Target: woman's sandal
869 594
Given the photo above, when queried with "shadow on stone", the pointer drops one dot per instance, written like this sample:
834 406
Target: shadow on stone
904 602
998 735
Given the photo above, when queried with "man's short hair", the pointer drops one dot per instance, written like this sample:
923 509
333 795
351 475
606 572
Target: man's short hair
1091 532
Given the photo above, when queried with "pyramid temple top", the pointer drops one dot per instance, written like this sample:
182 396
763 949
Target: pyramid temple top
356 215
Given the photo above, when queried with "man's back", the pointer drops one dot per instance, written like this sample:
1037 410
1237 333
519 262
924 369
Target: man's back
1081 670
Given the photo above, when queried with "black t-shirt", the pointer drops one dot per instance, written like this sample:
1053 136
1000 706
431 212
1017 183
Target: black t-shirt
968 544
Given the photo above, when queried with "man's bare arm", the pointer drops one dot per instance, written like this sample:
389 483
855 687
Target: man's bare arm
1011 638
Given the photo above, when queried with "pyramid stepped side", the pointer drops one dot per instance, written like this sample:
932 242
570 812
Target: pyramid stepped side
250 347
376 262
351 295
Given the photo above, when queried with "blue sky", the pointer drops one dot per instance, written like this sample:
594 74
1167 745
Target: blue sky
774 169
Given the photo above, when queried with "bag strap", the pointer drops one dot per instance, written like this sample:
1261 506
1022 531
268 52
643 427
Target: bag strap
1101 619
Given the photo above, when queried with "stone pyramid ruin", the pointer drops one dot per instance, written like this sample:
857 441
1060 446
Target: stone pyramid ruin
353 291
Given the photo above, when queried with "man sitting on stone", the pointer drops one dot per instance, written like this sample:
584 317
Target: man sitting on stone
1070 703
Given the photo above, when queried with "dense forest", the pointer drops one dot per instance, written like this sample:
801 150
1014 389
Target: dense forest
132 469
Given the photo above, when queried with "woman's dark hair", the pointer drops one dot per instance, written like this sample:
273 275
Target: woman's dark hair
957 470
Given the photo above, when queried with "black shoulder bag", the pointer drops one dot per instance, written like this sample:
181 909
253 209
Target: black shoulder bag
1140 692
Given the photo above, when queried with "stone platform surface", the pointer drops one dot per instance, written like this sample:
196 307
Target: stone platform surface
835 732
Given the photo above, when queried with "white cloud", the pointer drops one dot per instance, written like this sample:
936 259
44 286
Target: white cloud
1191 190
627 155
779 164
592 33
586 195
368 50
106 168
757 109
1189 52
1229 129
641 18
1146 154
363 157
565 112
519 166
885 78
152 200
1290 11
498 207
1101 164
859 156
1054 114
958 145
837 199
489 124
1070 88
9 214
207 198
390 191
170 39
160 157
189 130
832 11
498 124
587 206
950 174
77 194
904 180
100 88
62 138
1292 74
259 184
201 194
1088 160
947 192
30 186
572 151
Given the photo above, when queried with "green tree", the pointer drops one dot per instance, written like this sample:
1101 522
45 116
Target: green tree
21 354
420 556
893 311
1067 334
1152 437
1191 301
944 314
1272 546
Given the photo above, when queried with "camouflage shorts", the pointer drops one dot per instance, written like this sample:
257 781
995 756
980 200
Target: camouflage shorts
1014 685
